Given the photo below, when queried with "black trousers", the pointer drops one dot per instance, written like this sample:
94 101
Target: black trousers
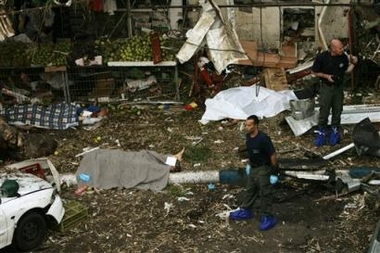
259 188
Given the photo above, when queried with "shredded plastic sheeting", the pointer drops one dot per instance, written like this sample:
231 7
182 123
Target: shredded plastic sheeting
222 42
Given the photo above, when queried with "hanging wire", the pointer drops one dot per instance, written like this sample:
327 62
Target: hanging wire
62 20
46 12
262 44
253 4
117 25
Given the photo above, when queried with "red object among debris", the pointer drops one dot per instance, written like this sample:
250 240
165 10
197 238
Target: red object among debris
156 48
81 190
96 5
206 77
298 75
191 106
34 169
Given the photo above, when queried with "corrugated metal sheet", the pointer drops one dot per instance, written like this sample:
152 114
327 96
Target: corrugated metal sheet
352 114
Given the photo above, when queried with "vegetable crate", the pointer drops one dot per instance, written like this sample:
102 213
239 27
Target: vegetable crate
75 212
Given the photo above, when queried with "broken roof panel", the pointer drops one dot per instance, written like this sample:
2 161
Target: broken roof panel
351 114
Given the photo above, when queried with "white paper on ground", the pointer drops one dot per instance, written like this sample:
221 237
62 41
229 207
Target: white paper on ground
171 161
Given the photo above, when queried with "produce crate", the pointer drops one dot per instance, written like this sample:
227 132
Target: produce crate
75 212
34 169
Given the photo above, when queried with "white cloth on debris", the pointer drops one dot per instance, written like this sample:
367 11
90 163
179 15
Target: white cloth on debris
110 6
113 168
241 102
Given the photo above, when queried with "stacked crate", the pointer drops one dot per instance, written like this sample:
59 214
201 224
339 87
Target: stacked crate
75 212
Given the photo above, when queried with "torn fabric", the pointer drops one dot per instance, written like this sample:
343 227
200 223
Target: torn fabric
222 42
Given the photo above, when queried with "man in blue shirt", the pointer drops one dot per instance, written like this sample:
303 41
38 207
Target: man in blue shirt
264 162
331 66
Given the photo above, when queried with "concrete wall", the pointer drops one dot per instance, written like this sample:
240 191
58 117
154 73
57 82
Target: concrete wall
262 26
248 26
334 23
175 14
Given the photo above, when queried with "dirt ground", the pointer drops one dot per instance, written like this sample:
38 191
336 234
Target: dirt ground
312 218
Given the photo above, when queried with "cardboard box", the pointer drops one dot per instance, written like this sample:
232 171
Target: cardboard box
275 79
103 88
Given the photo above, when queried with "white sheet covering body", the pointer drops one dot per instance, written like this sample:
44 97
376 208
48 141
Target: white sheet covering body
241 102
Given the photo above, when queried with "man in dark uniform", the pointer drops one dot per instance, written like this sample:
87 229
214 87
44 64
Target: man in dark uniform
331 66
263 161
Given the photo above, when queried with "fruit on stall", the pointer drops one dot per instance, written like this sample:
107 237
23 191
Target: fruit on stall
41 55
136 48
13 53
60 53
51 54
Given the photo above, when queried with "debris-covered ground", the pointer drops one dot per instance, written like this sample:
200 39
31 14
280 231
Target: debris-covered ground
189 218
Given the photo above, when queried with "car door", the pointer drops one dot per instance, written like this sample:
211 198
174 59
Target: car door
3 229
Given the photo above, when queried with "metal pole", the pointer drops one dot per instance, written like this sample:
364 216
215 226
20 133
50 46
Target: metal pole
64 85
176 82
129 19
339 151
67 86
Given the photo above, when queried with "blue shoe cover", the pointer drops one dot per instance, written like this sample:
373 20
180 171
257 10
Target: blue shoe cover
321 138
241 214
334 136
267 222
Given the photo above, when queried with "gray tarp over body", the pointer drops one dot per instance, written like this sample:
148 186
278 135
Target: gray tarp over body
116 168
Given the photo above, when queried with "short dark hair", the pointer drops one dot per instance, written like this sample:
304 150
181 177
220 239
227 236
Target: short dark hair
254 118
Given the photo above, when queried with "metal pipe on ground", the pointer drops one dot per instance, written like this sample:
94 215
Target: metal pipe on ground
225 176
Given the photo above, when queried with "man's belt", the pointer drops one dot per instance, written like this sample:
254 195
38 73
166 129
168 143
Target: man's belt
258 165
327 83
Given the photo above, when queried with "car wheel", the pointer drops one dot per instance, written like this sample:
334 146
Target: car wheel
30 231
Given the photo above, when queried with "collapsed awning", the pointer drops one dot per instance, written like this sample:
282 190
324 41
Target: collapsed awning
351 114
222 41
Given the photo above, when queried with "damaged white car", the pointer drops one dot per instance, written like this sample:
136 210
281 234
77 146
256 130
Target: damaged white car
28 206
